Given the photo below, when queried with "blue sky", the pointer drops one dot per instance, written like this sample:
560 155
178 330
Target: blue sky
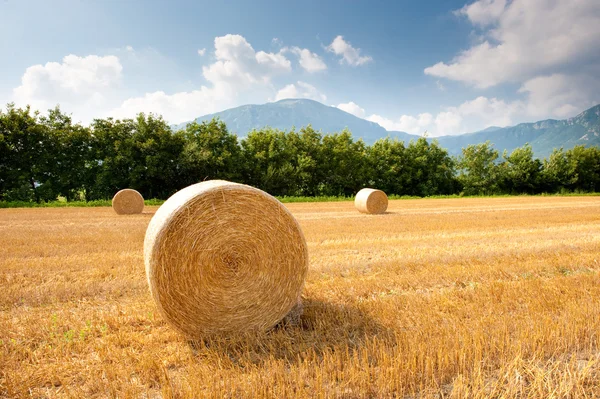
446 67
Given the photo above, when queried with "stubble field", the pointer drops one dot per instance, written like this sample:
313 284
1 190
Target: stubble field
491 297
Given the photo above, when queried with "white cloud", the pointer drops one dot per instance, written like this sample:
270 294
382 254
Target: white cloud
405 123
353 109
349 54
81 85
483 12
176 108
447 122
560 95
239 65
489 111
92 86
469 116
274 62
300 90
525 39
238 71
477 114
311 62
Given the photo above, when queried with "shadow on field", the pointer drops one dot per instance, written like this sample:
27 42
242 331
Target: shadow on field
323 328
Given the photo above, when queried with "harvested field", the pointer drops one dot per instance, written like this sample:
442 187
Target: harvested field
436 298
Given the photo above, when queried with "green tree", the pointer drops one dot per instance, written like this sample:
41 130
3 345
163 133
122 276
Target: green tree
267 161
210 152
25 163
430 169
478 172
389 166
112 159
143 154
585 162
156 157
557 172
345 165
69 147
522 171
305 149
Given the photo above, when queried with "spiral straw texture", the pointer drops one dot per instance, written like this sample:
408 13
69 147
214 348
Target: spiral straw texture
369 200
223 257
128 202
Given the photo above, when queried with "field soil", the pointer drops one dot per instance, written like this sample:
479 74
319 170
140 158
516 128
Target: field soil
438 298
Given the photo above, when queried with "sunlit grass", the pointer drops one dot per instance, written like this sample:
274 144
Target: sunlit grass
63 203
479 297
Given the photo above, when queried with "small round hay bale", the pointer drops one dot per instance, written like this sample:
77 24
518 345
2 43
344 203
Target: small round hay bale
223 257
372 201
128 202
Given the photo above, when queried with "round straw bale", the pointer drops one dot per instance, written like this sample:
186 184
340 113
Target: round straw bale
223 257
369 200
128 202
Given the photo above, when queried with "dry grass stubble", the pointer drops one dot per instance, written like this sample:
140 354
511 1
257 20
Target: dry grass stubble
439 298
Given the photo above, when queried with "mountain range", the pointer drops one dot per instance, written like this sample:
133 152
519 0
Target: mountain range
543 136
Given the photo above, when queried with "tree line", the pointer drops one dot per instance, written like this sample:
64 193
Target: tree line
43 157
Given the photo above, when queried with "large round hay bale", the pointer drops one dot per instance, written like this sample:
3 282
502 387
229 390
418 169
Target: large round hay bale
128 202
224 257
369 200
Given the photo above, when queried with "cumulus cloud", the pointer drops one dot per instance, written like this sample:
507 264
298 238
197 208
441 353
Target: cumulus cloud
561 95
176 108
483 12
405 123
79 84
237 70
447 123
300 90
487 112
92 86
525 39
550 49
350 55
309 61
470 116
353 109
239 65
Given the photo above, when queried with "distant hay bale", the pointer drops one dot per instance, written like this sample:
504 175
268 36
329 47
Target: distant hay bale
369 200
223 257
128 202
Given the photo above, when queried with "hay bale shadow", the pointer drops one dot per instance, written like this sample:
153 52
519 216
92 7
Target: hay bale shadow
322 328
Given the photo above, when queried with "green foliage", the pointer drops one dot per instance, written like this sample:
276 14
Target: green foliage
344 165
209 152
142 154
558 174
479 172
43 158
521 172
421 169
585 162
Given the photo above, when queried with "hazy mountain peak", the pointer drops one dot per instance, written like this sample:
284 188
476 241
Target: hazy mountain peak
287 113
284 114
